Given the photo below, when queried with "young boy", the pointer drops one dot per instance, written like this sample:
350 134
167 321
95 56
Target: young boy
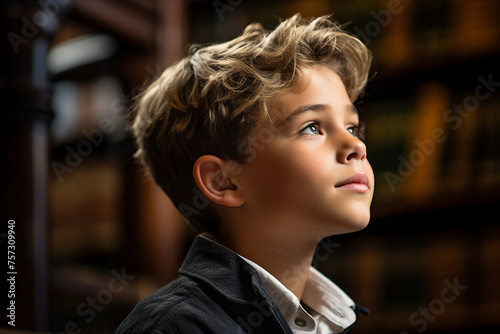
258 144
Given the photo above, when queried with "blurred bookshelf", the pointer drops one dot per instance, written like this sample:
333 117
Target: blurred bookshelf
434 214
114 237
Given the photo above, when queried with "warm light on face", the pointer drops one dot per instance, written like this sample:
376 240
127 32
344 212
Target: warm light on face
313 174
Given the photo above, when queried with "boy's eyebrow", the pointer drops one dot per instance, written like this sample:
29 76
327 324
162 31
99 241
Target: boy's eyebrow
301 109
315 107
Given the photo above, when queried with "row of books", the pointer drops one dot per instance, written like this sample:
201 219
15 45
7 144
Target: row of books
403 32
85 211
433 143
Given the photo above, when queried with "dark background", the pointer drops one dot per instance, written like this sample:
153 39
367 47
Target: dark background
93 235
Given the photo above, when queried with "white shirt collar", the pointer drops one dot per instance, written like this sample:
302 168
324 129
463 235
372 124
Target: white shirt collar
329 309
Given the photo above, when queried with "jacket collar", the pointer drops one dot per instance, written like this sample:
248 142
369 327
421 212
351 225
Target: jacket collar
223 270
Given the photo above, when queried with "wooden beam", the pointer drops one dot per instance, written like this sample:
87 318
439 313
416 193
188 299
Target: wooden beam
133 24
172 31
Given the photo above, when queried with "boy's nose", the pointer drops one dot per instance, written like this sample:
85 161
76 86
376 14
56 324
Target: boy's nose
352 150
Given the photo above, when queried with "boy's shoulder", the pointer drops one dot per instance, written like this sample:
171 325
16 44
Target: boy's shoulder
181 306
160 306
216 292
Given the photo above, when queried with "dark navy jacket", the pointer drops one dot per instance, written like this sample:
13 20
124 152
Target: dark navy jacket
217 292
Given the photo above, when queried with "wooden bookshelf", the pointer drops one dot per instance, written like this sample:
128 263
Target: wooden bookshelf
440 223
104 214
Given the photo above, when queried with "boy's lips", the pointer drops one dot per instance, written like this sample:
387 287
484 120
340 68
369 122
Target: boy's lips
358 182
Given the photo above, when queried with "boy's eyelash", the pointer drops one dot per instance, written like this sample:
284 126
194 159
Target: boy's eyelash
360 130
315 122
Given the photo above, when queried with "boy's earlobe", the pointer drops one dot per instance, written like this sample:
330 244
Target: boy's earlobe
215 182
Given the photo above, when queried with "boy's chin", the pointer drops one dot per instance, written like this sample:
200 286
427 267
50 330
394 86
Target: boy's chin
361 222
358 226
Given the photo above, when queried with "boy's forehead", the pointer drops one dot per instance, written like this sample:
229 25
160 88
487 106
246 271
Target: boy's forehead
292 101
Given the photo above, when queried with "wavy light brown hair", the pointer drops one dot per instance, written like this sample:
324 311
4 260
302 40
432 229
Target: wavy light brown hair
210 101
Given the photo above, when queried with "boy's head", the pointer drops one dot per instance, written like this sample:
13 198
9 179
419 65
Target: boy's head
211 102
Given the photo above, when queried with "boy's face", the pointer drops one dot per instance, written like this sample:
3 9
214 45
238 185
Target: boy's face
310 170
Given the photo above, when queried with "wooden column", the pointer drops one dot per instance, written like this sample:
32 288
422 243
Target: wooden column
24 121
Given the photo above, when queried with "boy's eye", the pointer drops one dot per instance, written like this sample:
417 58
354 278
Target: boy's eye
311 129
357 131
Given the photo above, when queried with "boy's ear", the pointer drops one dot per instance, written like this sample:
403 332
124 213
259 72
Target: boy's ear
215 183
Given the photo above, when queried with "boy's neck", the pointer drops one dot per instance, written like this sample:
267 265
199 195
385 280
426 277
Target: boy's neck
287 260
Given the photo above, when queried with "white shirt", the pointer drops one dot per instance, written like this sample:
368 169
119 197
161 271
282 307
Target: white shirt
325 307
